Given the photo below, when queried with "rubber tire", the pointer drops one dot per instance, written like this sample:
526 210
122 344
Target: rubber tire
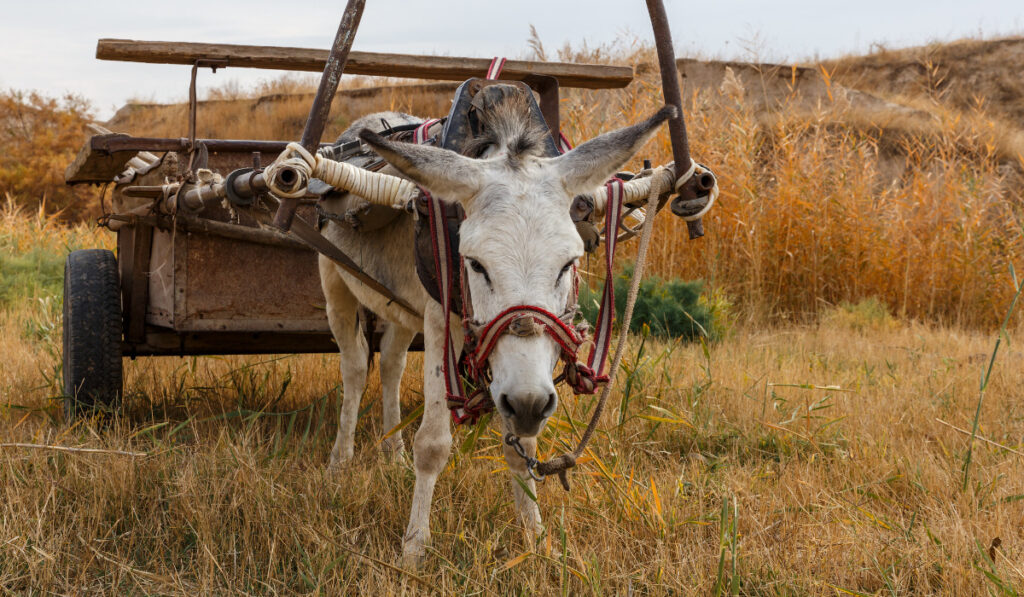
92 333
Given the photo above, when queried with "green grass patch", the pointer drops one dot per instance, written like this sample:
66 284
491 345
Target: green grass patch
36 273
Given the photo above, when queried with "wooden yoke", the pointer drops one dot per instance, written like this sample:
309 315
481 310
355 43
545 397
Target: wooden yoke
445 68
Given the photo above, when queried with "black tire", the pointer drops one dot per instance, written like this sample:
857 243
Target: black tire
92 333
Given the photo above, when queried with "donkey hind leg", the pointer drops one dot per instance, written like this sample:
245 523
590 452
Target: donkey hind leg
394 346
433 439
529 513
342 315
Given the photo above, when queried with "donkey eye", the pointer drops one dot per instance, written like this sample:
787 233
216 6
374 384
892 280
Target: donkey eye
565 268
476 267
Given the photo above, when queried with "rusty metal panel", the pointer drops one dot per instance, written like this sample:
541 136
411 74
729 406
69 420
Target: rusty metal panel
231 285
202 283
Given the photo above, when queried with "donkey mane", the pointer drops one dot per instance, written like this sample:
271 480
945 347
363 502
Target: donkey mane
507 125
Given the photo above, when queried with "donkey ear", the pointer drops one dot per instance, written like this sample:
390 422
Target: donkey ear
444 173
592 163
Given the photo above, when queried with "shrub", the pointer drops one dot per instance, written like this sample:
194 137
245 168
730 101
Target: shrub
869 314
40 136
671 308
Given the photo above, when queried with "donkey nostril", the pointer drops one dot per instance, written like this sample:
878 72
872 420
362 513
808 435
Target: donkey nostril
549 408
505 404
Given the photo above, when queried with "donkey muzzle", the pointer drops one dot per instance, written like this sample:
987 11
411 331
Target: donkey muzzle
527 411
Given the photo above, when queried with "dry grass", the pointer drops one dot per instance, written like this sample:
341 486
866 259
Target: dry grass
799 460
834 204
966 74
789 458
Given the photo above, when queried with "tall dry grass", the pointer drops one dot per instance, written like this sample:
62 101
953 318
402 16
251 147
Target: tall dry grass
804 460
820 203
829 203
800 460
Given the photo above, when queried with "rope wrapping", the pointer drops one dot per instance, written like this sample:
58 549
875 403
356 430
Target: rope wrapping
375 187
640 187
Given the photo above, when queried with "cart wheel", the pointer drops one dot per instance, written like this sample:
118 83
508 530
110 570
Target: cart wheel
92 332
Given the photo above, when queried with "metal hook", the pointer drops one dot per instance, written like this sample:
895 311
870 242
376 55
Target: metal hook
531 463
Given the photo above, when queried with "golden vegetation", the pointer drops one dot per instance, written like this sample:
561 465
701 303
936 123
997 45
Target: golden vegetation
967 74
797 461
822 202
40 136
806 459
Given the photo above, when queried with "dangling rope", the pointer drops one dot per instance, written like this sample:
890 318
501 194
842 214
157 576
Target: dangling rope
661 180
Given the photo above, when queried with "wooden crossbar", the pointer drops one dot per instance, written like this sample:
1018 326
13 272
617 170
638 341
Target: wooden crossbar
447 68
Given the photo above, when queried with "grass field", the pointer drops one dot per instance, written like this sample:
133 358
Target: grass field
858 265
798 460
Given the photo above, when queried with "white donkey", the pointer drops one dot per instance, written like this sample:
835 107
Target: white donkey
519 244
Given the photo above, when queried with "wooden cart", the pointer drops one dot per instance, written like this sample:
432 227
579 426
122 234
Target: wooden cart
213 281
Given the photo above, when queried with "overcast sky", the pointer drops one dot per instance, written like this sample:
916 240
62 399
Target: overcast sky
50 45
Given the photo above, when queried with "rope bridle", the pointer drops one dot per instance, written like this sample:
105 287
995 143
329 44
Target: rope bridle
518 320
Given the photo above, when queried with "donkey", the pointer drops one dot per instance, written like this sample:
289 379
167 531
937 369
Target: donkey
519 245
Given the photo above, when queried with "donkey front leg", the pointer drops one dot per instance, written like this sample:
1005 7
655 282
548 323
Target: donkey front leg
434 437
342 315
529 513
394 346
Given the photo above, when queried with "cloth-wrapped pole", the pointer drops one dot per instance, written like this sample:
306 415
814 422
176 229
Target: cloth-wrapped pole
289 176
637 190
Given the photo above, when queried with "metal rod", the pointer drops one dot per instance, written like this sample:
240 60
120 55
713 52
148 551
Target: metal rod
673 95
113 143
192 107
321 107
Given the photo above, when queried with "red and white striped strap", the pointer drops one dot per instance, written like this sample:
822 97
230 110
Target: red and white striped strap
494 70
419 136
441 244
603 329
442 265
563 143
487 336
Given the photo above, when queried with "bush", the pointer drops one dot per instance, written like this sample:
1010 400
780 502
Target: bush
869 314
670 308
40 136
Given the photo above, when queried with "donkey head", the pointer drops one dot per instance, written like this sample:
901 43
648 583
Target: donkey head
518 240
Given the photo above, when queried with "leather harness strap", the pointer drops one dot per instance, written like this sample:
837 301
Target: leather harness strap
326 248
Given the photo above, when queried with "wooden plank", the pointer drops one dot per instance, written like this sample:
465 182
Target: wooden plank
138 284
95 166
447 68
165 342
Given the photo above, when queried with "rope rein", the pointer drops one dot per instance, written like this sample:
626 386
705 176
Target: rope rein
661 180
